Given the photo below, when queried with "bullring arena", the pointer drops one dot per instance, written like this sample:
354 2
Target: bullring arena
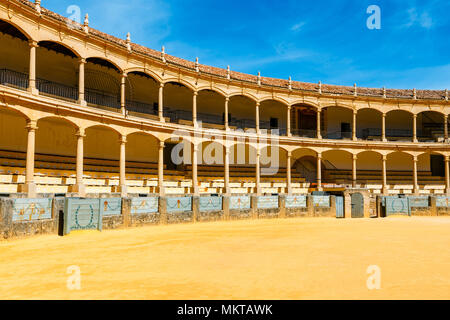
101 133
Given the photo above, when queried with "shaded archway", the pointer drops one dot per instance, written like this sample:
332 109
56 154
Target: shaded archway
399 125
273 116
430 126
304 121
337 167
178 102
431 169
142 93
369 168
102 150
14 56
369 124
338 122
210 108
57 70
399 168
304 163
242 112
13 140
102 83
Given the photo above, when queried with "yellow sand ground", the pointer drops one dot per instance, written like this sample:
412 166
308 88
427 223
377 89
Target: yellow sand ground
310 258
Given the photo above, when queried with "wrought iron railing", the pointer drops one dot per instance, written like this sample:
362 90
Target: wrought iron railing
14 79
57 89
141 107
304 133
100 98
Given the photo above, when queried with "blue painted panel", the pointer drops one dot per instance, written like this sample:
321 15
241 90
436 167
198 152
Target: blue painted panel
418 201
442 201
321 201
111 206
144 205
210 203
32 209
296 201
395 206
179 204
82 214
267 202
239 202
339 207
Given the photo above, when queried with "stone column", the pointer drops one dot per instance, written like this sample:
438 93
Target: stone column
414 127
123 93
319 171
355 157
161 169
160 102
288 122
81 97
194 171
319 134
194 109
354 125
226 120
79 187
384 160
288 172
32 76
227 171
383 127
30 186
257 118
446 128
258 173
447 175
416 183
122 177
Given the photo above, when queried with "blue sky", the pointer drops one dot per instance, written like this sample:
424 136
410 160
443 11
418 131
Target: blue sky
325 40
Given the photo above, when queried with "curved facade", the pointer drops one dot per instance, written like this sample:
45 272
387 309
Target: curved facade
84 112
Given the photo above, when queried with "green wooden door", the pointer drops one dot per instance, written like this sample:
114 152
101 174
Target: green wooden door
357 205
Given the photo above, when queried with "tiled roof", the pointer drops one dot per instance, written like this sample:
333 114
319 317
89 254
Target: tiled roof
234 75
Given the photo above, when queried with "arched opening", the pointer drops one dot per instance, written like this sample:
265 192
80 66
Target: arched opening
242 113
431 169
304 121
102 84
304 163
178 103
337 167
210 109
399 125
337 123
142 93
273 117
369 169
242 162
56 70
399 168
430 126
369 124
14 56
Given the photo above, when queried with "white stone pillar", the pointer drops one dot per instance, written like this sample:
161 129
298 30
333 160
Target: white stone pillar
227 171
288 124
384 160
161 102
194 109
383 127
194 171
288 172
446 128
319 134
416 182
123 93
414 127
122 174
79 186
257 118
226 120
161 168
29 186
319 171
355 158
81 97
354 125
447 175
32 76
258 172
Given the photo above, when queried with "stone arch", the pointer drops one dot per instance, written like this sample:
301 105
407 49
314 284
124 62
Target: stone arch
397 127
369 124
106 63
242 111
56 136
146 71
102 143
13 132
337 122
142 93
141 149
211 107
25 35
273 115
430 125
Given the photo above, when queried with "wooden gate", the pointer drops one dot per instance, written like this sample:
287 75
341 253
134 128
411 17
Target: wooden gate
357 205
82 214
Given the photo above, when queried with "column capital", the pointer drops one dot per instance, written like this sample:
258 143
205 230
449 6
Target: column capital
384 157
31 125
227 150
161 85
258 152
161 144
123 139
447 158
355 111
415 115
289 107
383 115
81 133
445 116
289 154
195 93
319 155
227 99
258 104
33 43
195 147
124 75
355 157
415 158
82 61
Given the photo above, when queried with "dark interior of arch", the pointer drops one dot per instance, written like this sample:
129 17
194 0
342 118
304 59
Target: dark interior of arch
56 47
9 29
142 74
103 63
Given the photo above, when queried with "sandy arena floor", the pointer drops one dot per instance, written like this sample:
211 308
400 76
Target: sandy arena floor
313 258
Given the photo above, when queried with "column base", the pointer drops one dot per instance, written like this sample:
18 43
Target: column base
33 91
161 191
29 188
79 189
161 119
82 103
123 190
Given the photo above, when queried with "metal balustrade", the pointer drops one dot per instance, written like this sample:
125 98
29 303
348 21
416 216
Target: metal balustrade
102 99
14 79
57 89
141 107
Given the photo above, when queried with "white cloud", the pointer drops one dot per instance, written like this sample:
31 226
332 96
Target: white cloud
423 19
298 26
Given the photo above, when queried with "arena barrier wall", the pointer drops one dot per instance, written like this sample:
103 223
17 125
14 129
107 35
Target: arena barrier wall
21 217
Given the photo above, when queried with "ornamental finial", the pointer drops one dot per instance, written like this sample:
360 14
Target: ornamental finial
259 78
37 5
290 83
320 87
128 41
163 54
228 73
355 90
197 68
86 24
